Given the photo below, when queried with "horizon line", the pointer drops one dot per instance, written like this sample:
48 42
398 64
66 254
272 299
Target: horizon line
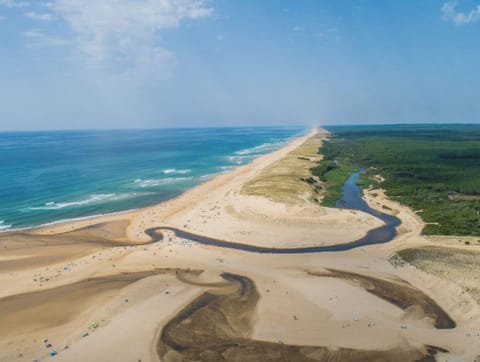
238 126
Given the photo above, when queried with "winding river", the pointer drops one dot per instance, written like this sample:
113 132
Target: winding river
351 199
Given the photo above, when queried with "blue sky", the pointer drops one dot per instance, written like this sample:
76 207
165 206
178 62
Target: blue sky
173 63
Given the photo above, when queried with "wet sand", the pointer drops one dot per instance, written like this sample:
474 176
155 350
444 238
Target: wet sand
218 327
399 293
59 278
57 306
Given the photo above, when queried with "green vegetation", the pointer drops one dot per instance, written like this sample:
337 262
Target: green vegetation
323 168
434 169
334 175
366 180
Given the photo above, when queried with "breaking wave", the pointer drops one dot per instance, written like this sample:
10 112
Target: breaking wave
92 199
175 171
4 226
158 182
260 149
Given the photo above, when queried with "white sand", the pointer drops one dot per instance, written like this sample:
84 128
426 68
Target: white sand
294 307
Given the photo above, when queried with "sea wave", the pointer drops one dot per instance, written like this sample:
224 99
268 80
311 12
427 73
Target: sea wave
240 159
158 182
260 149
4 226
208 176
92 199
226 168
175 171
246 155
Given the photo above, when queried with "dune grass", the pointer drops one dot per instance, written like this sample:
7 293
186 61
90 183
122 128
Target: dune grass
456 265
289 180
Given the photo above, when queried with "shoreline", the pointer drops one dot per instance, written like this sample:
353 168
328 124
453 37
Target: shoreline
208 185
211 177
319 300
187 212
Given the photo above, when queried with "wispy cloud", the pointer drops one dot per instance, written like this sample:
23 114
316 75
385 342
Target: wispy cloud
2 18
14 3
450 13
126 34
299 29
39 16
37 39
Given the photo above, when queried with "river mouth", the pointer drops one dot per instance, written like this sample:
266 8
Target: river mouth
351 199
219 327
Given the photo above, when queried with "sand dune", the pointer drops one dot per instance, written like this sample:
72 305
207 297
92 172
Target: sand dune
171 298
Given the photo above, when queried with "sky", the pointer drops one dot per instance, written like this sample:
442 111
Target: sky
84 64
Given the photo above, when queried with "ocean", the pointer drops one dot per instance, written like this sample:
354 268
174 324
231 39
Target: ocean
52 176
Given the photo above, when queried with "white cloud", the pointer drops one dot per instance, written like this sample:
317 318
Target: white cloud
125 33
450 13
2 18
37 39
14 3
39 16
299 29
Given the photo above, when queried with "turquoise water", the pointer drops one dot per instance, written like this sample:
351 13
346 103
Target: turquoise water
51 176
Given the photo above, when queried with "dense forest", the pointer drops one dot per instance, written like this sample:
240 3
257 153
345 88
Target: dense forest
434 169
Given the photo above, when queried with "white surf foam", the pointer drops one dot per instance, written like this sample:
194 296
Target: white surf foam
241 159
175 171
263 148
4 226
226 168
92 199
159 182
208 176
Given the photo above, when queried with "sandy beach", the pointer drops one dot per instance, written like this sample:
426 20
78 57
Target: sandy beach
99 289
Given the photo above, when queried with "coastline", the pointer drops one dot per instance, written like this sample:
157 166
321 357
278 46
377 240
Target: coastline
101 182
238 215
134 290
210 177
